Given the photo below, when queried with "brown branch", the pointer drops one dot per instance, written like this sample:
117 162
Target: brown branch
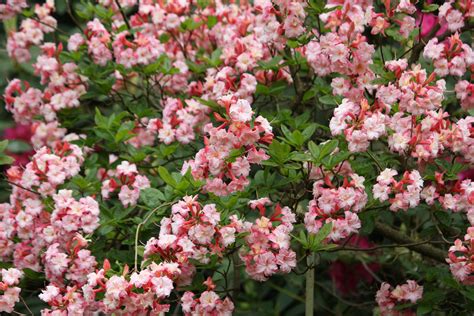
123 14
375 248
297 83
422 248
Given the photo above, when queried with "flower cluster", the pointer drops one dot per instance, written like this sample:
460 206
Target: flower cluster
453 17
389 299
70 215
125 179
465 93
449 57
454 195
98 42
348 55
49 168
230 149
295 16
24 102
193 232
208 303
415 92
179 122
423 140
47 134
401 15
140 293
105 291
10 292
401 194
11 8
64 87
29 225
32 31
267 250
68 264
336 204
360 123
460 258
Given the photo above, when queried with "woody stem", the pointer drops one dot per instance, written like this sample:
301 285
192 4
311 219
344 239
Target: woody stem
309 302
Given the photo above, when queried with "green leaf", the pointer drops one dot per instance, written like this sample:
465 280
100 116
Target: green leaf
287 133
215 59
6 160
272 64
430 7
309 131
298 138
395 34
311 93
234 154
152 197
211 21
328 148
298 156
17 146
314 149
328 100
279 152
3 145
166 176
212 104
124 132
322 233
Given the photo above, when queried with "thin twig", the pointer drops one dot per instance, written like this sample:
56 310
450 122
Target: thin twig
22 187
143 223
123 14
26 305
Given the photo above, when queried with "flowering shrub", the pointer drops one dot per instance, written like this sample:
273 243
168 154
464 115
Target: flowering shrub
212 157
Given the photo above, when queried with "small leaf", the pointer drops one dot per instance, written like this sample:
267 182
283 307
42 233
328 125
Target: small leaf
287 133
152 197
3 145
166 176
272 64
430 7
309 131
314 149
6 160
328 148
328 100
322 233
211 21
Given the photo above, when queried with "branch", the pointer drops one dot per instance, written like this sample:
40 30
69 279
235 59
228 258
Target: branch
309 293
424 249
137 233
297 83
123 14
375 248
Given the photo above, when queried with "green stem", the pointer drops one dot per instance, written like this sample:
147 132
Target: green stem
309 303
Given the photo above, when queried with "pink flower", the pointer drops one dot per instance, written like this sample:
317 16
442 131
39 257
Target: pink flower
49 294
9 298
241 111
11 276
162 286
126 168
387 299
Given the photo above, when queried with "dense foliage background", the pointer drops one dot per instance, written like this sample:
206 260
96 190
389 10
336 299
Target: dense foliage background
246 157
